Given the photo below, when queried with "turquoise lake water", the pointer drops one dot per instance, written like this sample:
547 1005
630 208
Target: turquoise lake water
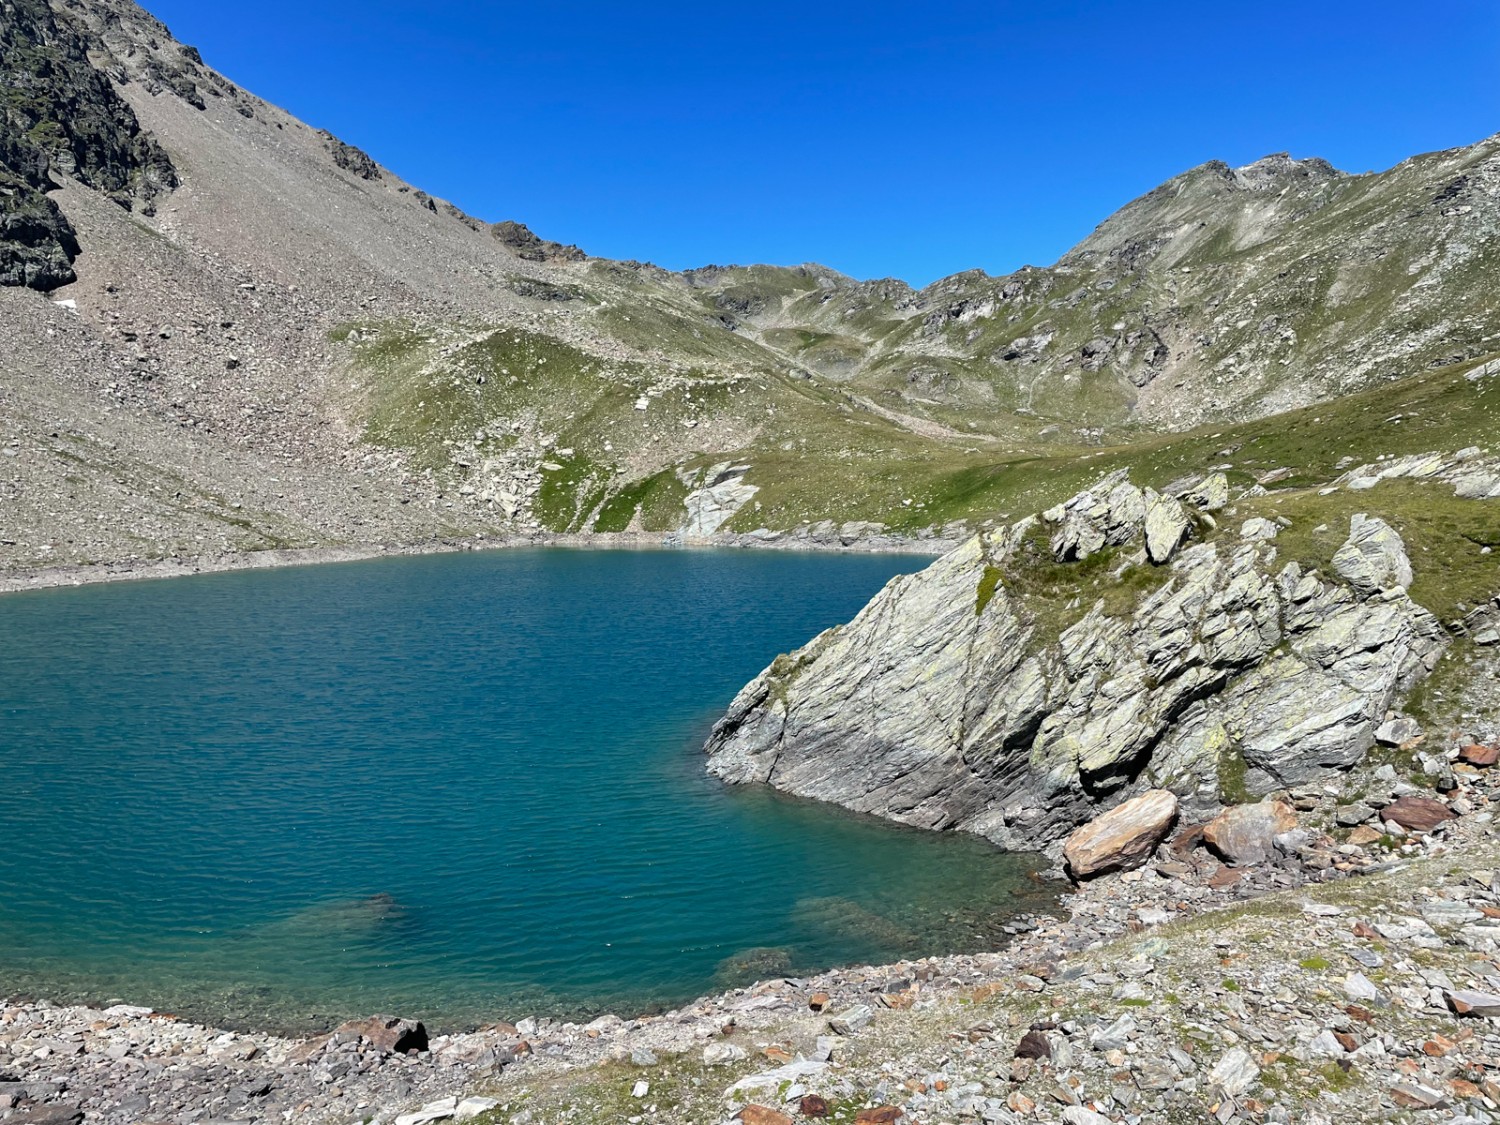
462 787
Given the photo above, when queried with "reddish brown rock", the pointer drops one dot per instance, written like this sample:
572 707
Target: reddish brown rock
390 1034
818 1001
1188 838
1417 814
1122 838
1225 877
812 1106
759 1115
1364 835
1246 834
880 1115
1034 1045
1481 756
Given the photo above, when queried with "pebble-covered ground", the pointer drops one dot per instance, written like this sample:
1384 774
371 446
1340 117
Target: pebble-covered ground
1352 976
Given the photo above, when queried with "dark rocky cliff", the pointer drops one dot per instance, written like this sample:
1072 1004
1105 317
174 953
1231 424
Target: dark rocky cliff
60 115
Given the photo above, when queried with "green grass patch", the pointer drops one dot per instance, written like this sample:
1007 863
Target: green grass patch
659 499
1445 536
988 582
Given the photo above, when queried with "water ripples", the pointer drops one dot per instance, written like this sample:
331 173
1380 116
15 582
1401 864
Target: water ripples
464 787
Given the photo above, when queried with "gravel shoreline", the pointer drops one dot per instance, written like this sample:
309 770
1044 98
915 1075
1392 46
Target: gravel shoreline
41 578
1321 984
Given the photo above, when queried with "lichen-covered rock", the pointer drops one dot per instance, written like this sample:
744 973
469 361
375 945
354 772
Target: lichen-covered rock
1111 513
1373 558
944 705
1210 494
723 493
1123 838
1166 526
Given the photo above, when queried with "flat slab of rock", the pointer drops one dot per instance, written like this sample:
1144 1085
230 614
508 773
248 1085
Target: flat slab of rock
1235 1073
1122 838
1469 1003
1417 814
1166 526
1246 834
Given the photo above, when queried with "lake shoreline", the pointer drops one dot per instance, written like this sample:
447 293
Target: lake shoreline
44 578
849 1030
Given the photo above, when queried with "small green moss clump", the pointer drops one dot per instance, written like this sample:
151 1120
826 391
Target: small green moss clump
1232 774
988 582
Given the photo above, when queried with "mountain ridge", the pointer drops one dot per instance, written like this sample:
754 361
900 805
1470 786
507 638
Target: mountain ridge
290 299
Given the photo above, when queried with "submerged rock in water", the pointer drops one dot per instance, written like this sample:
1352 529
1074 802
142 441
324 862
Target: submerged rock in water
947 702
849 920
344 916
754 964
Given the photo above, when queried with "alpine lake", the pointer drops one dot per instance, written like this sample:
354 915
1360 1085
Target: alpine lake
460 787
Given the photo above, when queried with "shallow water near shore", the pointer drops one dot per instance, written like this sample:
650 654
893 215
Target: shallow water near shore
462 787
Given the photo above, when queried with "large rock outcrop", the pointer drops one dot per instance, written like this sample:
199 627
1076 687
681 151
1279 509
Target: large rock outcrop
945 705
62 114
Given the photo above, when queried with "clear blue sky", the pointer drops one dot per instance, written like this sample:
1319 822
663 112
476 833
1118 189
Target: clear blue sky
883 139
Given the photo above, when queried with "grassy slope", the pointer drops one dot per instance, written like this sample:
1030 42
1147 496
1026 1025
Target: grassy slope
447 396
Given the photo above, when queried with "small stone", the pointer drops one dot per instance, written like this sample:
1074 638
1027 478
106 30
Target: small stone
1397 731
640 1089
879 1115
1034 1045
1347 816
1082 1115
847 1023
812 1106
819 1001
473 1107
1360 989
1364 836
722 1054
1235 1073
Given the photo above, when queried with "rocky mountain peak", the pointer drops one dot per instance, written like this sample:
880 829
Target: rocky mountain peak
1280 169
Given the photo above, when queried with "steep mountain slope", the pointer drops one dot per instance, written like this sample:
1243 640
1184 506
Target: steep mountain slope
263 338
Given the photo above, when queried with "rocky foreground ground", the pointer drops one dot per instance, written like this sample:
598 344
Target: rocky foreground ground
1327 955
